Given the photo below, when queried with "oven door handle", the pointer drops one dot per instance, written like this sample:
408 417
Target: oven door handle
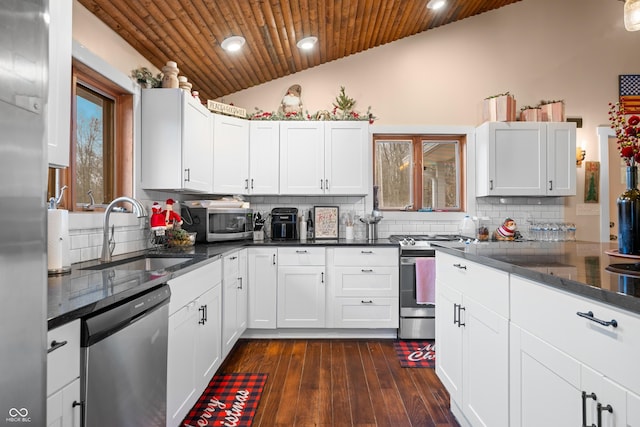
408 260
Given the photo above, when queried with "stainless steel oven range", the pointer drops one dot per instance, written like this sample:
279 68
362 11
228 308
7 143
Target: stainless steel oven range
417 321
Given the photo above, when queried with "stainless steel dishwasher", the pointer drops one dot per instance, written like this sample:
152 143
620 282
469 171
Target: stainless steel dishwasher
124 362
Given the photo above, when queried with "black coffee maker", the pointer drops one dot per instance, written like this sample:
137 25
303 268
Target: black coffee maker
284 223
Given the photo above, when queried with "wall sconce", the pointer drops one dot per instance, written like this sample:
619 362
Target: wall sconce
580 154
632 15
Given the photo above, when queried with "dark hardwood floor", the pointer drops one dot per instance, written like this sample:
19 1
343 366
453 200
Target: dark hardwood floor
336 383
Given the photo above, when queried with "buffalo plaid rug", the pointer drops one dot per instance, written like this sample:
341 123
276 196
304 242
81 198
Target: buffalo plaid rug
416 354
229 400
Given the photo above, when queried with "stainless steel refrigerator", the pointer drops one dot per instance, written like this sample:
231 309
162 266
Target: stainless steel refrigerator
23 169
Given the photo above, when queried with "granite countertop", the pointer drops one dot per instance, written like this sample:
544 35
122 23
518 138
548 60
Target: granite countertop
84 291
575 267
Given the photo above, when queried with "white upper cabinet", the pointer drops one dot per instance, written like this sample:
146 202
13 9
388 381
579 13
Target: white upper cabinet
177 147
59 104
230 155
264 157
324 157
526 159
347 159
302 157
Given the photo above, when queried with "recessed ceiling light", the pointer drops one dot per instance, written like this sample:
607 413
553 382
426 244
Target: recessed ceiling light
436 4
307 42
233 43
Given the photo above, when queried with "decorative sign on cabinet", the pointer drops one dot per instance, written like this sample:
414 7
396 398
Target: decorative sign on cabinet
526 159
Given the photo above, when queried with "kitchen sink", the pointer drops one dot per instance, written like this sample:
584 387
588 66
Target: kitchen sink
149 262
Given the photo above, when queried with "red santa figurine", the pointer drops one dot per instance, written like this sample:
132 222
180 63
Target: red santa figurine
171 218
157 217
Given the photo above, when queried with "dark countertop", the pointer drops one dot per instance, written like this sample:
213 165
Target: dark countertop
82 292
575 267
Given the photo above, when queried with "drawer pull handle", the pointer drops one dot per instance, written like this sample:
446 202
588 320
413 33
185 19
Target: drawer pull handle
586 396
460 266
366 252
367 270
601 408
56 345
231 258
589 315
367 302
301 252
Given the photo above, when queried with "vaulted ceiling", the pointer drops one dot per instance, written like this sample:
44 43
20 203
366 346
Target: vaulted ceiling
190 32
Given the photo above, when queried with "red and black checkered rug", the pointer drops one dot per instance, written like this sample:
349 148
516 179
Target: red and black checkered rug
416 354
229 400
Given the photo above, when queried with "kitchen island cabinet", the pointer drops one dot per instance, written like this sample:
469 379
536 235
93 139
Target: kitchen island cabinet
553 352
472 334
526 159
177 143
194 341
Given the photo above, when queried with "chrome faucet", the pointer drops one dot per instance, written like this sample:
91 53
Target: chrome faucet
138 209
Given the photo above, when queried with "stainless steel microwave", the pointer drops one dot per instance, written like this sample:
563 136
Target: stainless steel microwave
218 224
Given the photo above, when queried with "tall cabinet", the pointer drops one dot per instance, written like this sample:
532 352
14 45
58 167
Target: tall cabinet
177 146
526 159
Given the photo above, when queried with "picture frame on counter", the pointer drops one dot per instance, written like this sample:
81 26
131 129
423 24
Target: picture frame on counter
326 222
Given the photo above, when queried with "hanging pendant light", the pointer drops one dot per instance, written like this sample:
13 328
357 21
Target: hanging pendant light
632 15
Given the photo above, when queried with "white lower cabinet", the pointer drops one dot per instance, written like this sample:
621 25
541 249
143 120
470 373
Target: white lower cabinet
581 371
472 335
194 347
262 277
301 288
364 288
63 376
235 297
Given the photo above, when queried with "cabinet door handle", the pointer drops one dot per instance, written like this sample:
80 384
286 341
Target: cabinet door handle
56 345
252 183
490 184
321 185
366 302
550 185
586 396
461 308
589 315
601 408
326 184
322 277
274 259
367 270
187 174
456 313
203 319
460 266
240 282
246 184
81 405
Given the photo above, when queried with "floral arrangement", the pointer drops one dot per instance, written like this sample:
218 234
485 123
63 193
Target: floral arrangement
145 77
342 110
627 129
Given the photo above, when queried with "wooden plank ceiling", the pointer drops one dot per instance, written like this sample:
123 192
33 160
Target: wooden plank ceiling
189 32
